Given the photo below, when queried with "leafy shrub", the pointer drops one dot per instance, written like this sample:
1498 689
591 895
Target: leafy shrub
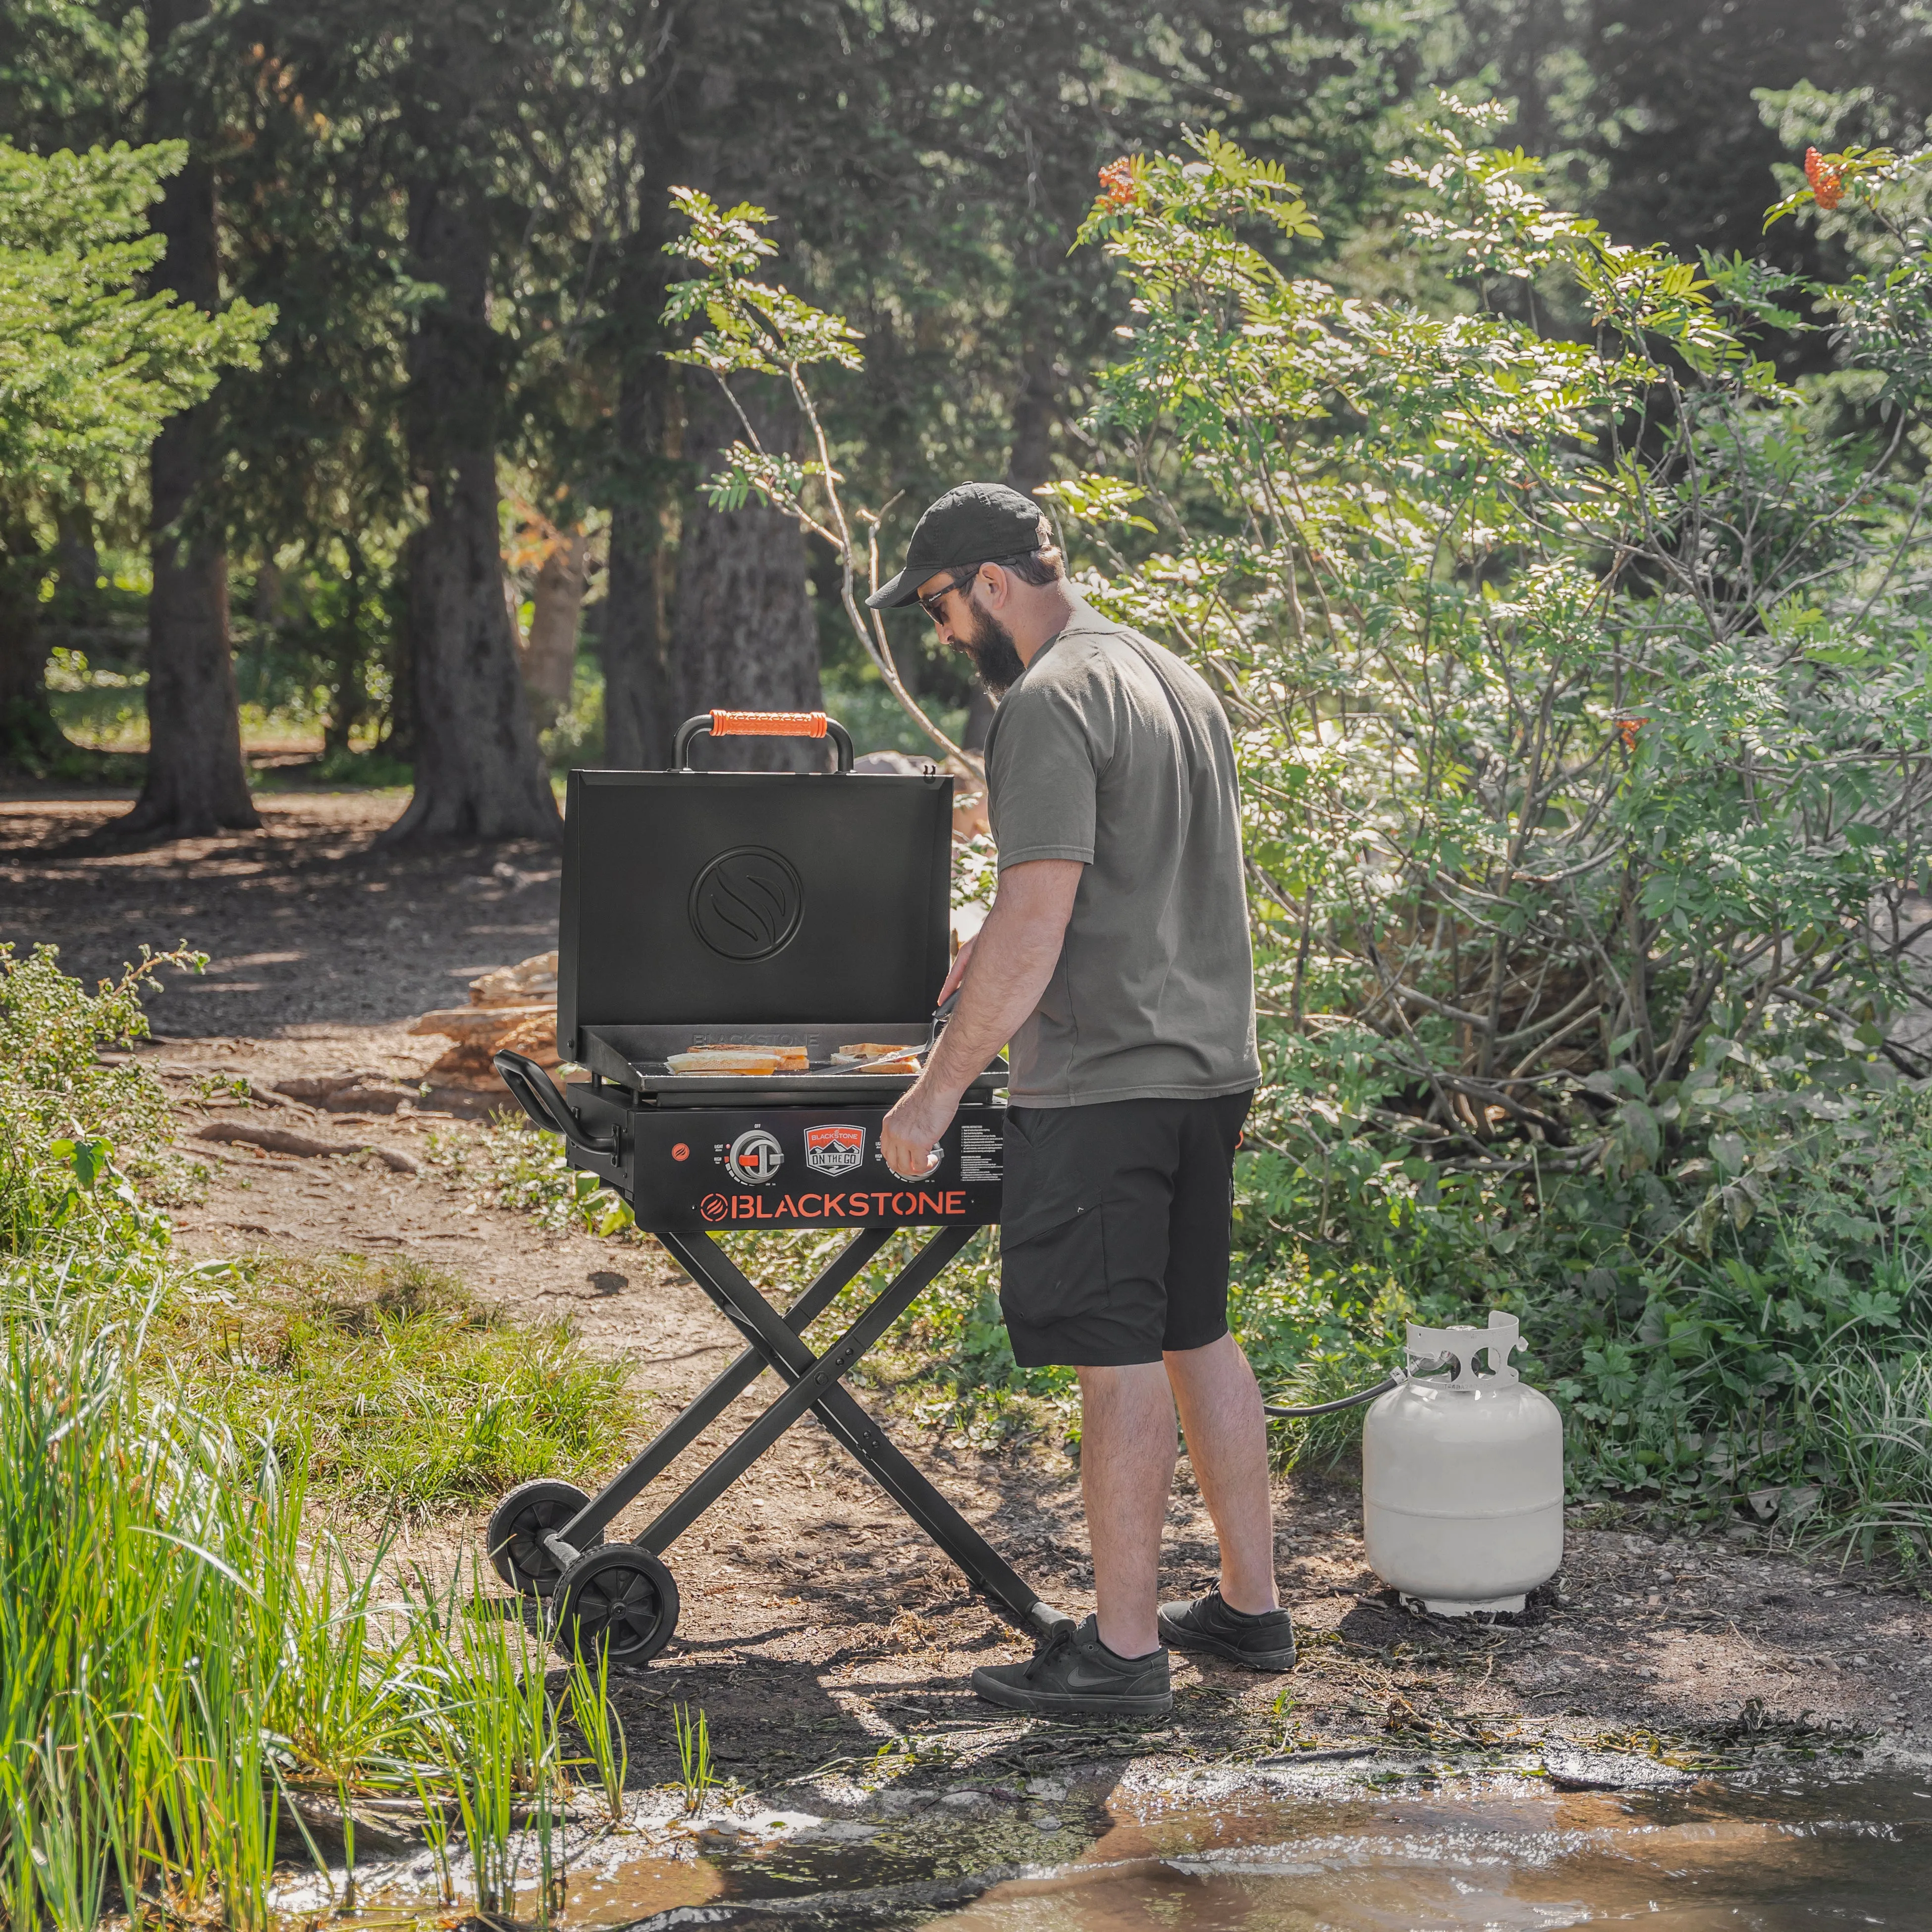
76 1131
1739 1333
511 1164
1579 677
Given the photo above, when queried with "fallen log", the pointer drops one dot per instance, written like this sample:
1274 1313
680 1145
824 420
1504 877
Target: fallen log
531 982
392 1837
476 1024
514 1006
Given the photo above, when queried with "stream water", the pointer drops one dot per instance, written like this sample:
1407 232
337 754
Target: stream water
1772 1861
1504 1854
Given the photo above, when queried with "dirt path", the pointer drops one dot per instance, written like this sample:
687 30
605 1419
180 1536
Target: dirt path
815 1620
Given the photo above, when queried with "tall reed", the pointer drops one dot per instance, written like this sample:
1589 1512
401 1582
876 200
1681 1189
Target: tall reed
501 1756
178 1654
595 1718
182 1658
131 1545
695 1776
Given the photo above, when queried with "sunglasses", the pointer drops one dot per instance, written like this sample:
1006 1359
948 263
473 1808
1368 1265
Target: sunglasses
933 605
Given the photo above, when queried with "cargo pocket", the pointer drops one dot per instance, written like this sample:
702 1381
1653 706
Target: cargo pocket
1053 1255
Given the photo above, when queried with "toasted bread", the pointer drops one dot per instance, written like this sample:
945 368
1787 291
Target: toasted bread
738 1059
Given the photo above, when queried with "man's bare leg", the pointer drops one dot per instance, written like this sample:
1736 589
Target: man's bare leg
1227 1443
1126 1469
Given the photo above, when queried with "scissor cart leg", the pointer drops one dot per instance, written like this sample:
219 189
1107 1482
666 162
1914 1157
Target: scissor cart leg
814 1384
620 1598
540 1529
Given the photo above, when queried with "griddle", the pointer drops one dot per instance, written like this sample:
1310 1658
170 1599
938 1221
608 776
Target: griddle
751 908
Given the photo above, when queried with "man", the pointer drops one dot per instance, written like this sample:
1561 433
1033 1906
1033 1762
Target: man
1115 961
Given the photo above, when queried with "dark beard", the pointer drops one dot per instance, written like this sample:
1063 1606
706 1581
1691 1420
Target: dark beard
995 656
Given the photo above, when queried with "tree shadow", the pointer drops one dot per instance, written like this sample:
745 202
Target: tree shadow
306 924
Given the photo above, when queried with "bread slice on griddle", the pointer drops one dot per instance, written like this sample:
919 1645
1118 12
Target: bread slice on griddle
738 1059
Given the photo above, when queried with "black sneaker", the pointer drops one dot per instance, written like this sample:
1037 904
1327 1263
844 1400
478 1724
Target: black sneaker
1074 1675
1265 1642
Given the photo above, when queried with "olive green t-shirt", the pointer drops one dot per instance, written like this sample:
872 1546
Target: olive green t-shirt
1109 750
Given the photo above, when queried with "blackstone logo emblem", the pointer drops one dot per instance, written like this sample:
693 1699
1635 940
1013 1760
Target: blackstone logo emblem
755 1158
834 1150
714 1207
746 903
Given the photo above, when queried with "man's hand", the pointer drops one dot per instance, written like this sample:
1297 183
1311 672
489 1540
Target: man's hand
910 1135
1011 958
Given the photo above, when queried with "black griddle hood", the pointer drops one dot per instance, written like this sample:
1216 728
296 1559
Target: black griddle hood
752 907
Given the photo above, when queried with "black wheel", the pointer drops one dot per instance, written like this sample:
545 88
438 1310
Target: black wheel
518 1526
620 1597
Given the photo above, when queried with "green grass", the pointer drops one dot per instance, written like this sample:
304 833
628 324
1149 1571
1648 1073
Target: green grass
409 1395
374 771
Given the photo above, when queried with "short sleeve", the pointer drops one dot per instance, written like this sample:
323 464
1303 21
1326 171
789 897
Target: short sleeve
1042 777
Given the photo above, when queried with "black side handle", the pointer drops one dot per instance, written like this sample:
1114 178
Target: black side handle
536 1093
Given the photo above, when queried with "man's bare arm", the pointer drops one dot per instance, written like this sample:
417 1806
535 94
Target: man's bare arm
1012 960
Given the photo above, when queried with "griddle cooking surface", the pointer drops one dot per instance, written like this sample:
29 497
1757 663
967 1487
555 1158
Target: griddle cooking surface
624 1055
810 1089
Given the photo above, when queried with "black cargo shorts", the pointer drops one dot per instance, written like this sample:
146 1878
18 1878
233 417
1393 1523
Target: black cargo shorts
1113 1234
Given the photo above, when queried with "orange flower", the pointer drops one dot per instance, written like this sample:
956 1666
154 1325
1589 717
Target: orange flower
1628 727
1116 182
1828 183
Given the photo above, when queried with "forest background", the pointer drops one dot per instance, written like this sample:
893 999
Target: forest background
1535 1034
457 214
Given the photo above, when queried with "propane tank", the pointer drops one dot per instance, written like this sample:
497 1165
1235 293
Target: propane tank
1462 1475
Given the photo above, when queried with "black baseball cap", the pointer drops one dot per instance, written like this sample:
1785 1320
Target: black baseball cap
974 523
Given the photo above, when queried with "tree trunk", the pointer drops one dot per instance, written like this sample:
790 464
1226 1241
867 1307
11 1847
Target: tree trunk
637 728
196 783
29 736
77 557
743 637
478 771
549 651
1036 411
